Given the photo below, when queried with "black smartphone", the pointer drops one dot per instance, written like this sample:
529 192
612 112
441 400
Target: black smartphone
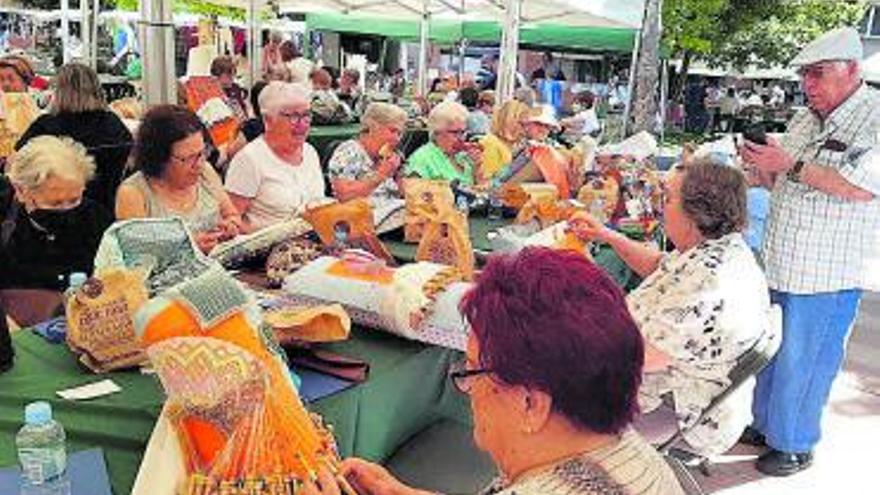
756 134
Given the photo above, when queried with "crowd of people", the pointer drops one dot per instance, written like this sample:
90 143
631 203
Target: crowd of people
552 419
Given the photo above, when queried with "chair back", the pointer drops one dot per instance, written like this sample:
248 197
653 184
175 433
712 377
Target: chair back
749 364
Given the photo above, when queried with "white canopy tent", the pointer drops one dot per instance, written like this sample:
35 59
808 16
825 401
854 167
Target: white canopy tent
583 13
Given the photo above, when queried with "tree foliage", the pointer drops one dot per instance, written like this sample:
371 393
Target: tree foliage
739 33
775 35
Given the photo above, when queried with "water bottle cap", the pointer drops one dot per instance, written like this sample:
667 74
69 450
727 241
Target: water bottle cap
77 279
38 413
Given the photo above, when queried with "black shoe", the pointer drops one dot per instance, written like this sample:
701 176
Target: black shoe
751 436
778 463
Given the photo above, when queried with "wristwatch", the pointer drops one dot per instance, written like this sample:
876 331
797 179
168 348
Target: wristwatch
794 174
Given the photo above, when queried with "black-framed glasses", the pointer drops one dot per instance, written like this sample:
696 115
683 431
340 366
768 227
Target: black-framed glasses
462 377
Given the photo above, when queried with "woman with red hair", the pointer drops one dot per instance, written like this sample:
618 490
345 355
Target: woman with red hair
552 370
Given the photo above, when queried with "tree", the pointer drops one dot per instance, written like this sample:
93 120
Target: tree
775 35
693 29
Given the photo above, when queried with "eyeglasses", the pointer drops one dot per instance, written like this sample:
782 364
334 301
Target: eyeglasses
455 132
296 117
193 159
462 377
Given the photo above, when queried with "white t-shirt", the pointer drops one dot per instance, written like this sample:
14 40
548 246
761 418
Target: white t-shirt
278 189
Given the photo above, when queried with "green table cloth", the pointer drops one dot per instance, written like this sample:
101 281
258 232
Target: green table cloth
406 392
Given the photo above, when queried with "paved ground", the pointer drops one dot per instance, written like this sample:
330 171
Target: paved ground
847 456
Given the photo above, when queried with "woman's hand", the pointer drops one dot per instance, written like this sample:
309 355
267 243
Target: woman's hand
230 227
372 479
475 153
587 228
206 241
388 166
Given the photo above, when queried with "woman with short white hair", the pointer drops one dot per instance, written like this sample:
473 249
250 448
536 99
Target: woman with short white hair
49 229
366 167
276 175
448 155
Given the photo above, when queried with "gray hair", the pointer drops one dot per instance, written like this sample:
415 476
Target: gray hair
445 114
382 114
49 156
77 89
278 94
526 95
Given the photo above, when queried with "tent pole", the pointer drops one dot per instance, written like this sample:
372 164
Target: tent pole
85 31
664 95
253 40
509 49
462 55
157 35
65 31
424 27
93 53
632 81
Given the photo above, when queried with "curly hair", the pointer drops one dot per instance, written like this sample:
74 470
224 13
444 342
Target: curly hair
46 156
162 126
713 196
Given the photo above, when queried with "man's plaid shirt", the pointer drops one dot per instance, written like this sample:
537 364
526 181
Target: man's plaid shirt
816 242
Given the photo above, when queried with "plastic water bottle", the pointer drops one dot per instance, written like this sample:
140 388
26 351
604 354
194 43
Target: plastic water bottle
76 280
41 452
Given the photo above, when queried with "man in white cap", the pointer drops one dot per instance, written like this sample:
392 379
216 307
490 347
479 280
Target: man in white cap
821 243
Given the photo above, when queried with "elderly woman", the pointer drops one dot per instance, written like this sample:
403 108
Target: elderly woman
552 371
277 174
175 179
701 307
17 75
273 67
78 110
366 167
505 135
447 156
349 91
49 229
538 158
223 68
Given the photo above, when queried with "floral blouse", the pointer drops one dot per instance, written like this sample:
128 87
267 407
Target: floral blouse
351 161
704 308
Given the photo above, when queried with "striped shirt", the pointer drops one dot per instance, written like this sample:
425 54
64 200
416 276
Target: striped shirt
627 467
816 242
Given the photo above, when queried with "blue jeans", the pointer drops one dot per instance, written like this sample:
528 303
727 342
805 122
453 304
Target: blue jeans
792 391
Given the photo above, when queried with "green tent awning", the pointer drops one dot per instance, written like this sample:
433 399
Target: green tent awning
448 32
